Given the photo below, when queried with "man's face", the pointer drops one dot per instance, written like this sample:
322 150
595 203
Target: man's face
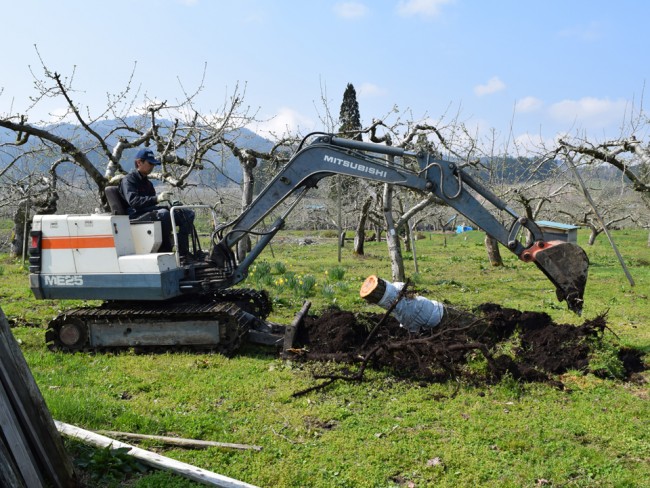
144 167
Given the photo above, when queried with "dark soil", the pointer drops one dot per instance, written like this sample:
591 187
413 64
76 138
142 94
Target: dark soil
527 345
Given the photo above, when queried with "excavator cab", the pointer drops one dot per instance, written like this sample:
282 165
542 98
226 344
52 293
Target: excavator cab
119 206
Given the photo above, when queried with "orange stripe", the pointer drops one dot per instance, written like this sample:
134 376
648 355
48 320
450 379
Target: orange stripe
77 242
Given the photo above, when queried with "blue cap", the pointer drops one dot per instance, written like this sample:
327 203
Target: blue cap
147 155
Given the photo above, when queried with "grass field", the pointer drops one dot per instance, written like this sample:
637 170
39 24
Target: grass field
383 432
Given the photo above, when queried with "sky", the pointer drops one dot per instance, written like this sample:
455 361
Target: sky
513 68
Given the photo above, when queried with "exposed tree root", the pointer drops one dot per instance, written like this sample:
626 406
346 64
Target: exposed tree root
529 346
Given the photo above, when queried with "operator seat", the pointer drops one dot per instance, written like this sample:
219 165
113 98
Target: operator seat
116 201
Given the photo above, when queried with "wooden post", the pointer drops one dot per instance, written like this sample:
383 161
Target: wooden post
32 440
179 441
9 477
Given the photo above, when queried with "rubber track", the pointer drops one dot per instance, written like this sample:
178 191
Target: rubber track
230 312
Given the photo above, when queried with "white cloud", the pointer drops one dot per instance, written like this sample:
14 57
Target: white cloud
371 90
531 143
585 33
255 17
61 114
286 120
589 111
350 10
493 85
425 8
528 104
142 108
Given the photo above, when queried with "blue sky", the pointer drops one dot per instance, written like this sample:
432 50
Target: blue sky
523 67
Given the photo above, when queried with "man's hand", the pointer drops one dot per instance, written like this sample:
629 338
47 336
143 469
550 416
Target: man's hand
163 196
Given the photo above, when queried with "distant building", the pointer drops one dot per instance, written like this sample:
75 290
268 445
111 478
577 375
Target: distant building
556 231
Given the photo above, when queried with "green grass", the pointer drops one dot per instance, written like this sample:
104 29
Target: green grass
382 432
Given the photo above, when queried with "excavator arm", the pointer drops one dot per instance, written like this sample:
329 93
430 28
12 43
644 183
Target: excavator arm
565 264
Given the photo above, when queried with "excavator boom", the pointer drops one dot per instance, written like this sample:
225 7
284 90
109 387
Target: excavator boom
564 264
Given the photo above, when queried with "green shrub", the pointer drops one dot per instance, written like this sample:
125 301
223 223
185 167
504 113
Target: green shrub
260 272
329 233
291 280
108 466
336 273
328 291
306 286
605 361
280 267
342 286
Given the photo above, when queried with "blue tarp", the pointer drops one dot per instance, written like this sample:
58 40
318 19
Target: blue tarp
463 228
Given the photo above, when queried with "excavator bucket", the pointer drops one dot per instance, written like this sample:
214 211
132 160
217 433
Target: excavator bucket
566 265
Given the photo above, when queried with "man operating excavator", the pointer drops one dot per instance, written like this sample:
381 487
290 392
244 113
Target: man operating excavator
140 194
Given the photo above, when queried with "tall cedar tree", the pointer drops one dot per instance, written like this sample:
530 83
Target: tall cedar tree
349 115
350 127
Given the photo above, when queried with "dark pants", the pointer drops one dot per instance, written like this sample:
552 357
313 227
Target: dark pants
184 219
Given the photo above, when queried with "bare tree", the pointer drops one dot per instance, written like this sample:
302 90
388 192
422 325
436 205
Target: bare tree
99 143
627 155
248 159
395 225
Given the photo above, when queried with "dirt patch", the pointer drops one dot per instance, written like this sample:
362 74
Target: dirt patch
527 345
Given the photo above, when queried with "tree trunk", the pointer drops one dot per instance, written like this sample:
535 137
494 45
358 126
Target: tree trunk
339 223
494 255
360 235
413 238
44 203
18 235
392 239
407 238
395 253
248 181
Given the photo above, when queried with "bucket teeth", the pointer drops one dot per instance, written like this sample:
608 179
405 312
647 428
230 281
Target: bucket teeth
566 265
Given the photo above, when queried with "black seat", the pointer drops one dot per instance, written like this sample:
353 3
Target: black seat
116 201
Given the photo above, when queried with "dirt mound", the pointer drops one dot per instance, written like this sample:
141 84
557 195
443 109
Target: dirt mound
527 345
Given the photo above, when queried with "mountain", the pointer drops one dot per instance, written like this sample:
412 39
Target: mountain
111 131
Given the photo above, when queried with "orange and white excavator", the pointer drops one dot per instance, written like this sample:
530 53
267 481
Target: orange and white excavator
152 299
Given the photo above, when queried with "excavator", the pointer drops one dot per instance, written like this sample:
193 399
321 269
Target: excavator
154 299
